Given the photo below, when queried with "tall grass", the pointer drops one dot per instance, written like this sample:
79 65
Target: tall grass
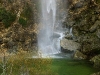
19 64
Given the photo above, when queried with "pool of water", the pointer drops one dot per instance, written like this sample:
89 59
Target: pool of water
71 67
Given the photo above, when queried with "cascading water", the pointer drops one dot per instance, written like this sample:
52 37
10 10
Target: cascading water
50 33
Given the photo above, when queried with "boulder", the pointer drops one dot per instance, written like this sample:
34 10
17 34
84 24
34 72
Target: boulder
69 45
79 55
96 61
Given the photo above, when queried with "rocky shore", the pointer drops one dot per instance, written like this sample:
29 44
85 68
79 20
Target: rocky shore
84 18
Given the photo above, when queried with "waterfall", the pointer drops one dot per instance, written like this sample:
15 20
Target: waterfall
50 30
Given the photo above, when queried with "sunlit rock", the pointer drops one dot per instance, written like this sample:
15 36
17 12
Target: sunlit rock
79 55
69 45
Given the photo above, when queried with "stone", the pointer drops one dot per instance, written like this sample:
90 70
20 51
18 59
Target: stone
98 73
79 5
91 45
69 45
8 34
79 55
5 40
69 36
1 40
98 33
94 27
96 61
93 18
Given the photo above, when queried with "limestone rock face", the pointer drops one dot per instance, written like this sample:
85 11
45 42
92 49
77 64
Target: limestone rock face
14 38
69 45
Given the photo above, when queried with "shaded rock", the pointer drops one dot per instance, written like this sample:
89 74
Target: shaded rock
94 27
22 39
5 40
69 45
69 37
93 18
8 34
91 46
96 61
98 73
66 51
1 40
78 5
79 55
98 33
10 44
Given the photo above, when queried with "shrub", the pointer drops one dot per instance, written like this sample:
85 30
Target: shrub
22 21
6 17
27 12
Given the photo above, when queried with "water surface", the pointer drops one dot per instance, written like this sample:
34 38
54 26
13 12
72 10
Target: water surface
72 67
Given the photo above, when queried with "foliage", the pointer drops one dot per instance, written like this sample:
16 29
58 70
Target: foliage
23 21
19 64
98 1
9 1
6 17
27 12
26 15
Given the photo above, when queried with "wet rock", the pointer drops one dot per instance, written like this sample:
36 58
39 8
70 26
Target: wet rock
79 55
96 61
79 5
69 45
69 36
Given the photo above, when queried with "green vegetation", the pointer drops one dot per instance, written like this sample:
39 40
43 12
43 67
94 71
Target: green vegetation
22 21
20 65
6 17
98 1
27 12
26 15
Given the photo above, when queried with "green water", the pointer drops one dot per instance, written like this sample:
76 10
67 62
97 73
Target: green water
71 67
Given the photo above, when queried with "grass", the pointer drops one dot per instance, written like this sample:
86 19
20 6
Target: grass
18 65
